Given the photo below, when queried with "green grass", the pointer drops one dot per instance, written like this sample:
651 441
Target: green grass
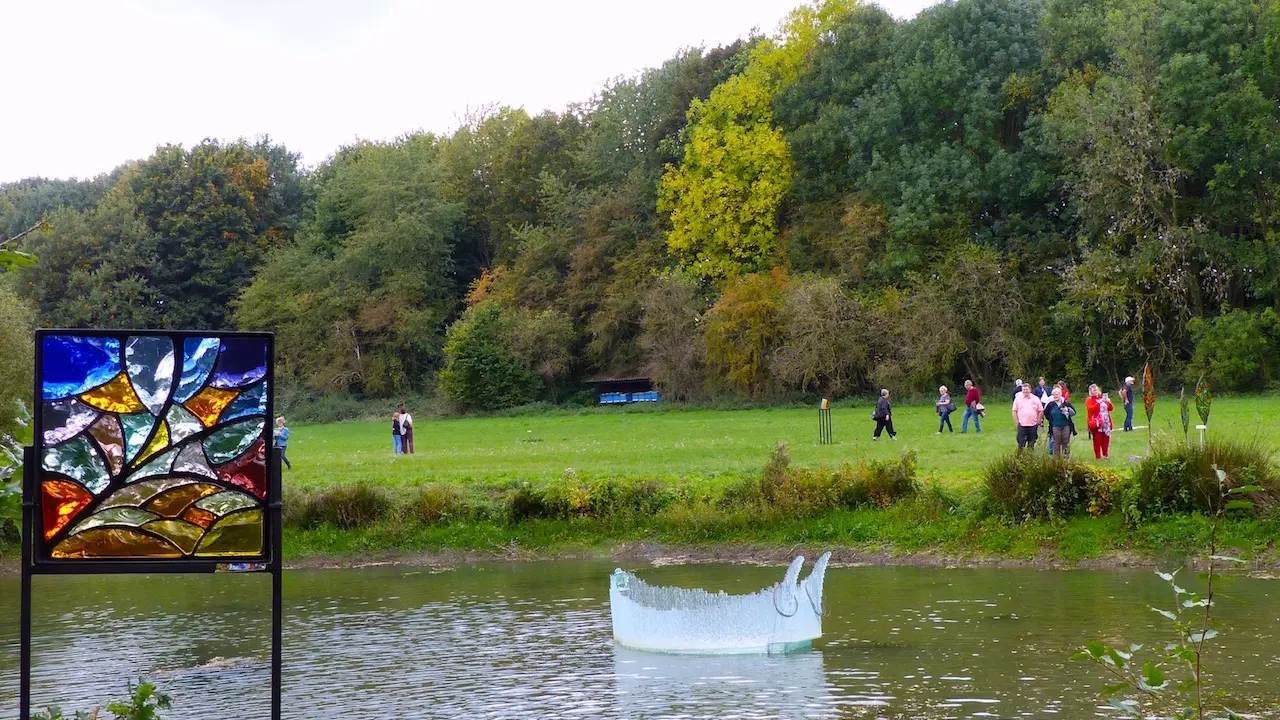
696 446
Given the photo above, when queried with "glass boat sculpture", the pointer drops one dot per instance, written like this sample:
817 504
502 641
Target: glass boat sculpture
781 618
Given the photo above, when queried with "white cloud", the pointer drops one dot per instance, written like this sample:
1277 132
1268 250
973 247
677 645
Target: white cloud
94 84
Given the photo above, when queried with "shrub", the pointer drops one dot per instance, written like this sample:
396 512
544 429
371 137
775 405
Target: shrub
344 506
805 491
881 483
481 371
435 502
1180 477
1026 485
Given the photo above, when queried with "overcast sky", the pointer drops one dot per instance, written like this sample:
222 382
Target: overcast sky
89 85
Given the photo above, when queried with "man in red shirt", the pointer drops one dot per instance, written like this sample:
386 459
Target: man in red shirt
972 398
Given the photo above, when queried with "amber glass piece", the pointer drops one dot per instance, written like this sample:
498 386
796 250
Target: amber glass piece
136 495
110 440
209 403
179 532
236 535
159 442
61 503
114 543
116 396
171 503
196 516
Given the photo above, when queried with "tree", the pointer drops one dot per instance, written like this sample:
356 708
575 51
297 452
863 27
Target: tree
672 337
744 328
827 339
481 372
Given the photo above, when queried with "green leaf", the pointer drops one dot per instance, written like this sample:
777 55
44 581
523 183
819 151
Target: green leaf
1116 658
1167 577
1165 613
1240 505
1153 676
1096 650
1245 489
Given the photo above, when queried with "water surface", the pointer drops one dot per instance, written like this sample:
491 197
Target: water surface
533 640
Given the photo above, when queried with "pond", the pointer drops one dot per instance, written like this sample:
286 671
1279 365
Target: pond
534 640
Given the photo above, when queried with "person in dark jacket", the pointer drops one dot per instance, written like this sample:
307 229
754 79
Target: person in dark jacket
883 416
1060 415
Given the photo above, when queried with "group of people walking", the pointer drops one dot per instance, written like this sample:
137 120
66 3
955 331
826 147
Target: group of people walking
1033 407
402 432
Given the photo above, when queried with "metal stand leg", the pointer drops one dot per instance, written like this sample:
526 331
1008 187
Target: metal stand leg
28 512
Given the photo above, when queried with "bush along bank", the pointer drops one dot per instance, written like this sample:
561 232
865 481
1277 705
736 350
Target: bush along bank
1026 507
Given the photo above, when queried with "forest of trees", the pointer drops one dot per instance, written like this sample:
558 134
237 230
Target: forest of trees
995 187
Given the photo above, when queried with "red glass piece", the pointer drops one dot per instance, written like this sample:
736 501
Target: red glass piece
249 471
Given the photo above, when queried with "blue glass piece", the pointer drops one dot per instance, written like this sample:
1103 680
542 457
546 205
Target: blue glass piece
70 365
137 428
250 402
242 361
198 355
150 362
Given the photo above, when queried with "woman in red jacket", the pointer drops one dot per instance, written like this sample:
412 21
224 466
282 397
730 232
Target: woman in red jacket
1099 407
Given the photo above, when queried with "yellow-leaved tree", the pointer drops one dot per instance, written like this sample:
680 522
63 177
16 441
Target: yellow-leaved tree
724 197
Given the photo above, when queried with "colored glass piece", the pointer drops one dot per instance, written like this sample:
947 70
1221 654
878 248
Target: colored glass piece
230 442
137 428
238 534
116 396
171 503
70 365
191 460
158 465
62 501
249 471
78 460
1204 400
127 516
110 441
196 516
179 532
198 355
150 364
226 502
251 402
208 404
114 543
241 361
159 442
182 424
64 419
138 494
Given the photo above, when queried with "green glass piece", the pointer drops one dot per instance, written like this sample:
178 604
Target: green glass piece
77 460
159 465
118 516
182 424
236 535
137 428
227 502
231 441
137 494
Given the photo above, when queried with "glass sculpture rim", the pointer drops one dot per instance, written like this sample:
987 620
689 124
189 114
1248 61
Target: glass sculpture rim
41 557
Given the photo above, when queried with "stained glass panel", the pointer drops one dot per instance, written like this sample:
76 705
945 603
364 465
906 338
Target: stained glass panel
153 445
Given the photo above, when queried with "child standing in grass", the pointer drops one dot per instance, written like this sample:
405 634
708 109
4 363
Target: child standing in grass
282 440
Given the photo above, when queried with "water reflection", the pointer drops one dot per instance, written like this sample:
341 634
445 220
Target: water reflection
534 640
747 686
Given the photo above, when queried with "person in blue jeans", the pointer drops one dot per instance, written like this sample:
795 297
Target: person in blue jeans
972 399
1126 394
282 441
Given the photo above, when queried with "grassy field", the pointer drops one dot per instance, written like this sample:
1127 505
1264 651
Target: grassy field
697 445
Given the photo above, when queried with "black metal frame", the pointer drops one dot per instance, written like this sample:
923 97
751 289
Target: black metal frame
35 560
